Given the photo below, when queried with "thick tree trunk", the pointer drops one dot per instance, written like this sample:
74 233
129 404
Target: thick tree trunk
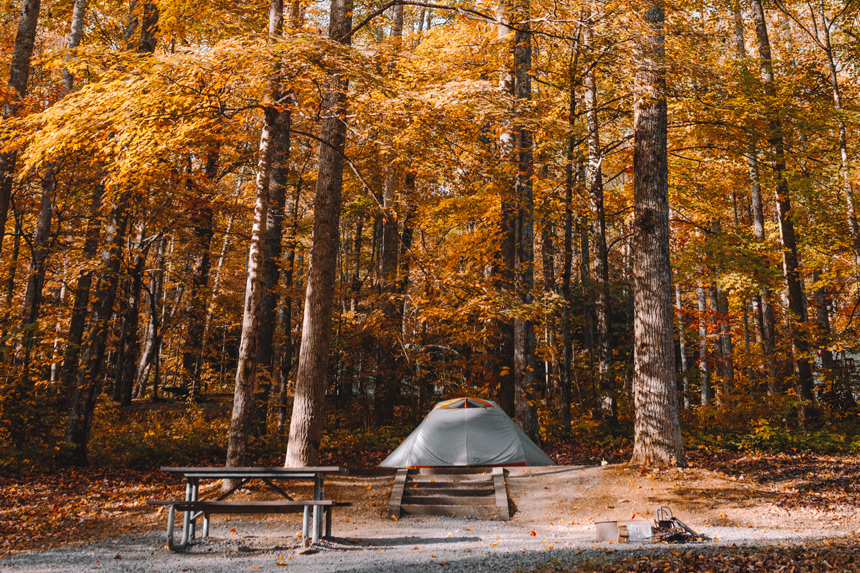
242 417
796 306
203 231
657 438
602 311
270 272
307 418
19 75
525 361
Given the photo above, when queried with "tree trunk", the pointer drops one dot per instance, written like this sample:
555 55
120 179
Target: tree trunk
201 217
704 366
682 344
246 369
78 320
796 306
657 430
567 264
39 248
76 32
90 374
388 372
844 165
525 363
602 311
508 248
307 418
270 272
19 75
285 314
130 341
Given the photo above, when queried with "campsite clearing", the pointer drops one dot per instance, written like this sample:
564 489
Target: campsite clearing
554 511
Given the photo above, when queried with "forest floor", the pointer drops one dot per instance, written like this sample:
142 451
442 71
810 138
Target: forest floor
766 511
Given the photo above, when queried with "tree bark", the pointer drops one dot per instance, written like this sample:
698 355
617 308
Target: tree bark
77 322
154 324
508 247
844 162
201 216
704 366
90 374
270 272
246 370
600 267
76 32
567 262
682 344
307 418
19 75
130 341
525 361
796 306
657 430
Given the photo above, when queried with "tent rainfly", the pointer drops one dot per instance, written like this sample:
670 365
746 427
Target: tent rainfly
467 432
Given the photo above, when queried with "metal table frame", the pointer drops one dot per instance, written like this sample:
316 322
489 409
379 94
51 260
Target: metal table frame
243 475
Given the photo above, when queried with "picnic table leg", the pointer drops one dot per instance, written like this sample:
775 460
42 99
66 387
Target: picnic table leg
205 525
317 525
328 523
171 519
305 519
195 487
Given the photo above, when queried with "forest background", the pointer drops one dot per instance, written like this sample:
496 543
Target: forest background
469 179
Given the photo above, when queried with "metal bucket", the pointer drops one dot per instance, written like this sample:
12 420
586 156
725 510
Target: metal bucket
607 530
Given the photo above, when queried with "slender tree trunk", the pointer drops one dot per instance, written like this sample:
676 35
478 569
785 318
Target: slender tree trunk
550 286
201 216
285 315
796 306
762 300
19 75
13 264
77 322
154 325
704 366
682 344
92 359
388 372
657 430
307 418
507 253
845 164
126 369
40 248
76 32
601 252
567 262
726 348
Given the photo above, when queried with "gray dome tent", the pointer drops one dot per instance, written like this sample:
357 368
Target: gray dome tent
467 432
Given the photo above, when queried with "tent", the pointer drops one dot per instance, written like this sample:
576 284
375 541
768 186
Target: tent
467 432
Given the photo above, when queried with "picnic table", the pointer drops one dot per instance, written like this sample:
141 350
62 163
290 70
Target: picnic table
193 507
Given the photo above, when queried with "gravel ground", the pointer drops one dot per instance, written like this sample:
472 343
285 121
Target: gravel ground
555 511
456 544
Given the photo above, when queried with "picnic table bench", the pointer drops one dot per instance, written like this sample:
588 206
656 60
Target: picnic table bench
193 507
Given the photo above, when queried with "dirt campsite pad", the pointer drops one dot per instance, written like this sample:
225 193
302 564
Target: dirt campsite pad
551 528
